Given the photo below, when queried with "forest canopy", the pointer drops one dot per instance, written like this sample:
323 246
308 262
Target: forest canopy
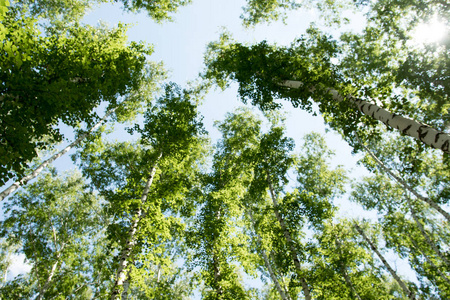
157 207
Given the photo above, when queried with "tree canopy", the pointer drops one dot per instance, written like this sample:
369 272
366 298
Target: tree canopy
160 208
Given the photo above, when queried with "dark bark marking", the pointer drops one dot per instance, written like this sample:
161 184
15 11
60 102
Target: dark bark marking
422 133
445 147
437 137
361 108
406 129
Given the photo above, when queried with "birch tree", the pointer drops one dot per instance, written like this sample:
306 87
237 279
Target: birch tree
302 72
125 111
407 290
308 204
411 227
342 267
85 65
145 182
386 55
215 238
54 222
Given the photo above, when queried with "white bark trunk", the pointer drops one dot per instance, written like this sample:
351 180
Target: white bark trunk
284 285
267 262
405 185
443 276
126 286
344 272
216 268
409 294
424 133
131 241
158 274
47 282
42 166
425 235
349 283
289 241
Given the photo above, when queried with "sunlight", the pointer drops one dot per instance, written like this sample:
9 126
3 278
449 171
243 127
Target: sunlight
430 32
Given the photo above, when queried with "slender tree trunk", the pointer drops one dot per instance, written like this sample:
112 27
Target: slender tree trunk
424 133
216 268
289 241
409 294
126 286
54 266
267 262
131 241
405 185
285 289
16 185
216 264
344 272
47 282
158 274
349 283
425 235
443 276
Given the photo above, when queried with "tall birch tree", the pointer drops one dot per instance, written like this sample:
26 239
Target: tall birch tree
144 182
56 222
60 75
302 72
307 205
215 238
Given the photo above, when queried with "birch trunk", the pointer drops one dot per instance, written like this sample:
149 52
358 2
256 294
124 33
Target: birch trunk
409 294
283 283
344 273
158 274
219 289
424 133
289 241
16 185
443 276
216 266
266 261
405 185
349 283
54 266
131 241
126 286
47 282
425 235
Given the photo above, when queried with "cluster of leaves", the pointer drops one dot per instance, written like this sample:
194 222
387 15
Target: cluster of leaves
410 227
58 224
60 75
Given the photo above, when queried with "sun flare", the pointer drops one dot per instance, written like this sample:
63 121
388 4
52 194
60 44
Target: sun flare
430 32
